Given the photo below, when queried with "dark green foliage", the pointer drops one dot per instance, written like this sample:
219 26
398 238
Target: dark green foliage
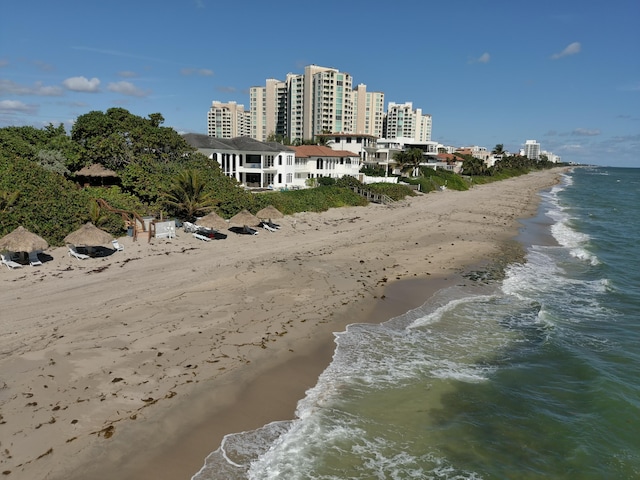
509 166
51 146
395 191
118 138
47 201
326 181
310 200
348 181
373 171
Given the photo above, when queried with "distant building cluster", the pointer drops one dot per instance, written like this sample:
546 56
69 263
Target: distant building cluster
321 105
321 100
532 151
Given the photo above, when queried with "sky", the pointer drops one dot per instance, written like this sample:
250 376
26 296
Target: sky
563 72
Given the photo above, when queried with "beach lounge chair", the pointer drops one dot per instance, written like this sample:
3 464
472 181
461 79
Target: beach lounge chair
204 238
116 246
74 253
34 261
268 227
9 263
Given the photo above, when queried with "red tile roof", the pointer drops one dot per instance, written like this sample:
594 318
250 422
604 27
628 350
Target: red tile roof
321 151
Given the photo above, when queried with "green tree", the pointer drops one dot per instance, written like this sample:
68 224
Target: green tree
187 195
498 149
95 213
408 162
52 160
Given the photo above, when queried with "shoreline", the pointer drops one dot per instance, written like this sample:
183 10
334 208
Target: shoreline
149 346
274 394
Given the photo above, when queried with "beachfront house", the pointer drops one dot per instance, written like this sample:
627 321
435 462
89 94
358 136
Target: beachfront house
253 163
315 161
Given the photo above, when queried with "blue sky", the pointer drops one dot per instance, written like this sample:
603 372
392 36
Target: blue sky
565 73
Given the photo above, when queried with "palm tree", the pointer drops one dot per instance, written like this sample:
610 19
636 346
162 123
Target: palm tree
7 200
498 149
187 194
409 161
95 213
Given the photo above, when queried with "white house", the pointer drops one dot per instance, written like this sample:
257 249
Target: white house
253 163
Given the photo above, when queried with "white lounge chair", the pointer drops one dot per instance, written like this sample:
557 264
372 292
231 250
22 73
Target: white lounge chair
34 261
9 263
116 245
74 253
267 227
201 237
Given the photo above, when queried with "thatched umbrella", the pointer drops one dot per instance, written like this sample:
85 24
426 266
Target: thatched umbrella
89 235
244 218
269 213
213 220
22 240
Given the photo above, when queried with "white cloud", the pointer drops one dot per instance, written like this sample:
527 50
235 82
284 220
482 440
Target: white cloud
45 67
583 132
571 49
204 72
3 62
82 84
12 88
126 88
226 89
630 88
127 74
15 106
484 58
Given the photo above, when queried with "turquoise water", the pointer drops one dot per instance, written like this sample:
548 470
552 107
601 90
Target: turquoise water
533 376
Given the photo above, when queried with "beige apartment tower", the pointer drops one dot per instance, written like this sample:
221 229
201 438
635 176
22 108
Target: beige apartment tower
228 120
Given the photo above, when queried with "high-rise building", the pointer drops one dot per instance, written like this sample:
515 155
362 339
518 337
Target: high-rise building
228 120
322 101
368 111
532 150
268 110
303 106
401 121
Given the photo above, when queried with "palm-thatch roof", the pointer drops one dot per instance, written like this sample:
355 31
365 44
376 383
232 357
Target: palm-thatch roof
244 218
96 170
269 213
22 240
89 235
213 220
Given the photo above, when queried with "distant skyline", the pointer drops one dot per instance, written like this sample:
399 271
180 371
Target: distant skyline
565 73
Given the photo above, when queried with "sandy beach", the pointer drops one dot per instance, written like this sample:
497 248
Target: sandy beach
135 365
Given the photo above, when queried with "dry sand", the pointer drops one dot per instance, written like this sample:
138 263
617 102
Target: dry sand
135 365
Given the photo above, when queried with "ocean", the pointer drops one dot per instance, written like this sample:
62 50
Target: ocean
530 374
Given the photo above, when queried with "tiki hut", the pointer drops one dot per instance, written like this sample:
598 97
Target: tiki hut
89 236
214 221
97 174
269 213
244 218
22 240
